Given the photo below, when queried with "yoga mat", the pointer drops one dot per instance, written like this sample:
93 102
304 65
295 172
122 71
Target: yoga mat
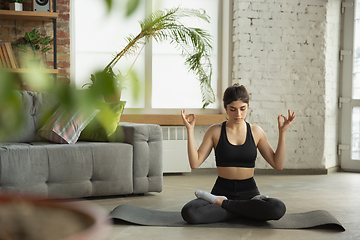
147 217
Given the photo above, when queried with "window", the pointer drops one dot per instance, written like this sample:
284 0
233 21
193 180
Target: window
349 101
166 85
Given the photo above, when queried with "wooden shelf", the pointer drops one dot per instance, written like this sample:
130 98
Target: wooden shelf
172 120
28 15
25 70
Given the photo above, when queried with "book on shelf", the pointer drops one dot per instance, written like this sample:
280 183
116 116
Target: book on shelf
7 56
11 55
2 59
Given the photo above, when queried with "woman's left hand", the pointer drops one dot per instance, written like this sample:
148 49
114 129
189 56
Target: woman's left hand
284 125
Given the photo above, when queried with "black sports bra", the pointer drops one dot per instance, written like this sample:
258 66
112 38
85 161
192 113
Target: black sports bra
229 155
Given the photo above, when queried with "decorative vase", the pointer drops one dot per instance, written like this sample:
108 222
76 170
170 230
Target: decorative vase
16 6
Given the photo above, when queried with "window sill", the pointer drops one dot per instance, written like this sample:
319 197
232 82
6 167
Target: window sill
172 120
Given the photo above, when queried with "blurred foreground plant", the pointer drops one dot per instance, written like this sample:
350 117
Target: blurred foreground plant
161 25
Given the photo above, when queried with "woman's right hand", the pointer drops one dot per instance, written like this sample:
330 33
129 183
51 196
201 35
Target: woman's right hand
188 120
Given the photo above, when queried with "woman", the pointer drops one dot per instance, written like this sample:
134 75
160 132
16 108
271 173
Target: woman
235 143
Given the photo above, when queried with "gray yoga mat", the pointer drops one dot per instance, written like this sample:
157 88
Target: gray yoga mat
146 217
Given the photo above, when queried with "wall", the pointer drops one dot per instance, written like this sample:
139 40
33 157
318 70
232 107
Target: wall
286 54
199 135
12 30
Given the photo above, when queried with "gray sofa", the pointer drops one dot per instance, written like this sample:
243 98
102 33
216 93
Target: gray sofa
30 164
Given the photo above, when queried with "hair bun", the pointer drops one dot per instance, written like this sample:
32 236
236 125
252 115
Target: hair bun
234 93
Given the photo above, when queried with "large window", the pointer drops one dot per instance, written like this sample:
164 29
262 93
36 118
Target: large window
356 51
349 101
165 83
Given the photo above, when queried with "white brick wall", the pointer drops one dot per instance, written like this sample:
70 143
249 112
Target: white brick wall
286 54
199 135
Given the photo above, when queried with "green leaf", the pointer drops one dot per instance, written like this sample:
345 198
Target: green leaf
131 6
10 104
109 4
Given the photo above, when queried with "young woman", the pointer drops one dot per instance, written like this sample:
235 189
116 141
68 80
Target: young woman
235 143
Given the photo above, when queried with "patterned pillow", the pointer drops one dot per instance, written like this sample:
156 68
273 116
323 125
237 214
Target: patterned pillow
65 126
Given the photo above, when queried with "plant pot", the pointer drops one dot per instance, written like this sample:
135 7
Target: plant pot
112 98
34 63
16 6
34 218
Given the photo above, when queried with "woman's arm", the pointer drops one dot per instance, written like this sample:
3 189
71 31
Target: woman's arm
275 158
196 157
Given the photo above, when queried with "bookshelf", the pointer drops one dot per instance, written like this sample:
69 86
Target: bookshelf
28 15
34 16
24 70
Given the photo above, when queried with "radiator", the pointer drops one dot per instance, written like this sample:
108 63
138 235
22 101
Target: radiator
175 158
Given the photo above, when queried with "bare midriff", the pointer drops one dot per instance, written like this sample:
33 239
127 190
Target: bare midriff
238 173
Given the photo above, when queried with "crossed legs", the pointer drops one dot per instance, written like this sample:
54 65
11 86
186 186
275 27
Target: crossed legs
210 208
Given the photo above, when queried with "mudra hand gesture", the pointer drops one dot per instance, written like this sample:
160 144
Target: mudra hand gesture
284 125
188 120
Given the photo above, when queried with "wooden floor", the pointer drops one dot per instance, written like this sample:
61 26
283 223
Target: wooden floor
338 193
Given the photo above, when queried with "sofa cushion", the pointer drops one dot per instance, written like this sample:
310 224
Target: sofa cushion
36 108
105 122
57 170
147 146
113 168
65 126
23 165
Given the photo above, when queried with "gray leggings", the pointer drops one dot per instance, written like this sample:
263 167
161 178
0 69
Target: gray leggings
239 204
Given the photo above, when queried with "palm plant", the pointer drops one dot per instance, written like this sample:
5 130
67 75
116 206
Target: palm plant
194 43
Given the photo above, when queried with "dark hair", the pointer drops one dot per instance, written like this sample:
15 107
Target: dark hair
234 93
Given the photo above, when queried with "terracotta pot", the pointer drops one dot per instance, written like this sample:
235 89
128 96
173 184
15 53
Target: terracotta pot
110 99
51 219
112 96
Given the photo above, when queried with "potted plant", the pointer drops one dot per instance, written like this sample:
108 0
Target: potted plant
195 45
109 84
16 5
34 217
33 43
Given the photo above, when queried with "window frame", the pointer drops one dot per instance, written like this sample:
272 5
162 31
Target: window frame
347 102
224 66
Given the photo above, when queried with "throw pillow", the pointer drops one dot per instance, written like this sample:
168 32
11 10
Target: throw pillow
102 127
65 126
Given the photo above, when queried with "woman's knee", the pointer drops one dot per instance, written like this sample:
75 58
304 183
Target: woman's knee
189 216
190 211
278 208
200 211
